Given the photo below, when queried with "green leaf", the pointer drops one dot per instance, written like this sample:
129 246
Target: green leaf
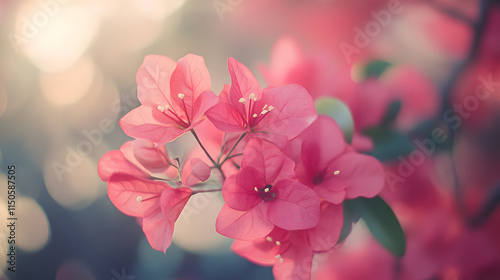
349 218
375 69
389 144
392 112
381 222
338 111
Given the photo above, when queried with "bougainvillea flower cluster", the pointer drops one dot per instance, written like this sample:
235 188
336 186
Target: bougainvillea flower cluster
284 172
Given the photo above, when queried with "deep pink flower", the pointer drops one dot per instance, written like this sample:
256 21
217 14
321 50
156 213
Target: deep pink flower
158 204
285 110
174 98
326 165
264 194
291 252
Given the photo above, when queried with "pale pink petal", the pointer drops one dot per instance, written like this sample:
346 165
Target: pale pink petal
239 189
205 101
226 118
259 251
330 194
195 171
293 111
133 196
243 84
189 78
296 206
268 159
326 234
114 162
150 155
140 123
153 80
244 225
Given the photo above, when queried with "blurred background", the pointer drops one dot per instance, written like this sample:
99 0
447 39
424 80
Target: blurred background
67 75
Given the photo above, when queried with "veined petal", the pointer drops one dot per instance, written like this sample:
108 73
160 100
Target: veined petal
243 84
153 80
296 206
359 175
190 78
133 196
115 162
226 118
239 189
293 111
269 160
325 235
140 123
244 225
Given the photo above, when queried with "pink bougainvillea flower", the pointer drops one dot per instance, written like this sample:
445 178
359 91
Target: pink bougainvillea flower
140 158
264 194
158 204
174 98
285 110
326 165
291 252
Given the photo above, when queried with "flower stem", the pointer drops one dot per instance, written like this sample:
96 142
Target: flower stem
201 145
232 149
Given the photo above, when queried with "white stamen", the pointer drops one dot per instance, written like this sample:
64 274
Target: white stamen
252 96
278 243
263 108
281 260
264 112
270 108
278 256
336 172
256 189
266 190
269 238
254 115
242 100
161 108
180 95
139 198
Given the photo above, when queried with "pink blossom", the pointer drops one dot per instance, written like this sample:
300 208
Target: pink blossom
264 194
158 204
285 110
174 98
291 252
326 165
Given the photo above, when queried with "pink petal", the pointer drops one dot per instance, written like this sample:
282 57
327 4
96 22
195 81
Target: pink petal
239 189
158 223
140 123
195 171
259 251
133 196
321 142
331 195
296 206
190 78
359 175
268 159
293 111
244 225
243 83
114 162
226 118
153 80
326 234
150 155
296 265
205 101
